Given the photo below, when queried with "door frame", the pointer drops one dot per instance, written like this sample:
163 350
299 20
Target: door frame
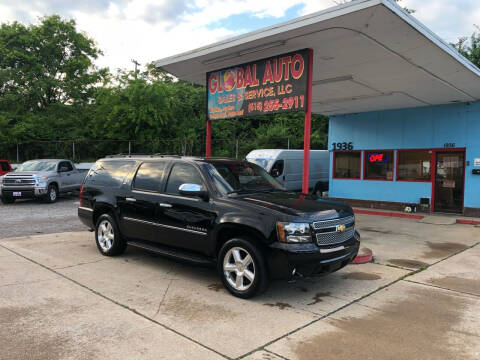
433 161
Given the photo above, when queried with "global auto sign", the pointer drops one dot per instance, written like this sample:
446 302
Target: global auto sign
271 85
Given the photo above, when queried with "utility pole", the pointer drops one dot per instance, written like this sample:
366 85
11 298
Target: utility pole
136 63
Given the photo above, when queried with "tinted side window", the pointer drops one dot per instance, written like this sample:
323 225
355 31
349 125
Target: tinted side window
109 173
183 174
149 176
65 164
4 166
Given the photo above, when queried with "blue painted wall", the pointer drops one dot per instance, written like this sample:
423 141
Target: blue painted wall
417 128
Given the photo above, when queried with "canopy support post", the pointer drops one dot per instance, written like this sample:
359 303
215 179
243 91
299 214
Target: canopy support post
307 127
208 150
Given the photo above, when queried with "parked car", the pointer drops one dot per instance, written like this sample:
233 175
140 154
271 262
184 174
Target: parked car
287 167
216 211
45 179
5 167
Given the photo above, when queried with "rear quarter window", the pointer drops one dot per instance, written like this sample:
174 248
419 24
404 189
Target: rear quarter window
109 173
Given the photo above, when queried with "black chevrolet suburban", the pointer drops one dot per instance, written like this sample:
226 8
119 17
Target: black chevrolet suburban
216 211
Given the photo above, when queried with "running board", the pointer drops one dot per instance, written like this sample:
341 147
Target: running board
173 253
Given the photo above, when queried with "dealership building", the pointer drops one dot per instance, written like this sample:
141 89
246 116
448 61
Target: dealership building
404 106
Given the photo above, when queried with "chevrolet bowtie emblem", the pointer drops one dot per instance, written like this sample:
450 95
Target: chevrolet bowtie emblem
341 228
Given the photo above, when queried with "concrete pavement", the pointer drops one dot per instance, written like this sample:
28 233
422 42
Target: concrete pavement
60 299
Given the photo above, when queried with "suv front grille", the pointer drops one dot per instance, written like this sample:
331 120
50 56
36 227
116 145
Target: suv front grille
317 225
331 238
327 232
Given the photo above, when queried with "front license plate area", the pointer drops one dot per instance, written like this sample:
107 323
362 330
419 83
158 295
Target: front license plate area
17 193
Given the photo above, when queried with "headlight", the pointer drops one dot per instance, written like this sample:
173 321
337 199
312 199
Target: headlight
294 232
40 180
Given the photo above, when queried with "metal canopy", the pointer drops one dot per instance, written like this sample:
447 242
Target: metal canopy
368 55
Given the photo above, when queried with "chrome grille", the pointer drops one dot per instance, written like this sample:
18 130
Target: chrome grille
18 180
318 225
330 238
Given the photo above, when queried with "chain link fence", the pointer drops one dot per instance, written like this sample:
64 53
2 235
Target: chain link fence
91 150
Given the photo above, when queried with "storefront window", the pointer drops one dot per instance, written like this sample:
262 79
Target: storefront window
378 165
414 165
347 165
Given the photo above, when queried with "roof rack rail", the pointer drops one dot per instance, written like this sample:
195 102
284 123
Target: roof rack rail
167 155
121 155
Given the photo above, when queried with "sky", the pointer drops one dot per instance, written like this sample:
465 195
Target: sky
147 30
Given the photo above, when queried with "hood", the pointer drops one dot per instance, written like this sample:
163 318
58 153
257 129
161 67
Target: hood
298 205
29 173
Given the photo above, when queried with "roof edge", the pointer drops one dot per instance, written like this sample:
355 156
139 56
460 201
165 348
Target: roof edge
430 35
325 14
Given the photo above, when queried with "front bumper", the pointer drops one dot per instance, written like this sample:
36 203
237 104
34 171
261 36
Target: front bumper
287 260
25 193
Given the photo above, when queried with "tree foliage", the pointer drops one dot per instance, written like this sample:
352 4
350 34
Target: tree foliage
51 90
47 78
470 47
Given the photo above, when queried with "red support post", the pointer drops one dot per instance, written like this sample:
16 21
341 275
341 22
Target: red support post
307 128
208 150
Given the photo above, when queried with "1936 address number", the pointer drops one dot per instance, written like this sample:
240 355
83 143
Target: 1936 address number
342 146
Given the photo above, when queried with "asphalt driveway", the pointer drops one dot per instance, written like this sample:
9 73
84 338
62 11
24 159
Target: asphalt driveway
60 299
31 217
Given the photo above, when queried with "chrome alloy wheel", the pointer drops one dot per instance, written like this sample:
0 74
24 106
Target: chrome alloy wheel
52 194
239 268
105 235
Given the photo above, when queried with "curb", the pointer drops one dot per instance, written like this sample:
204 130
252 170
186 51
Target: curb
391 214
363 258
468 222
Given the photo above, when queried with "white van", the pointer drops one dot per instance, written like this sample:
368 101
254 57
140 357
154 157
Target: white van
287 167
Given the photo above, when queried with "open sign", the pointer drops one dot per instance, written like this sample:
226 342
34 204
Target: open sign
378 157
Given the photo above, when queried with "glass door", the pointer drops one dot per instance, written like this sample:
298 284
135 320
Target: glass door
449 182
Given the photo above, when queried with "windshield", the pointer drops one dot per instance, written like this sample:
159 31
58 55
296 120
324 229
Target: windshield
241 176
38 165
263 162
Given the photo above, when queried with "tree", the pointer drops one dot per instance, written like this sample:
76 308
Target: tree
47 78
470 47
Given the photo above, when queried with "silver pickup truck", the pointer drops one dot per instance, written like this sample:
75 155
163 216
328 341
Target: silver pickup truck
44 179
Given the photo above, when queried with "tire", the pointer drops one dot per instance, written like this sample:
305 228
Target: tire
7 200
231 265
319 189
52 194
107 236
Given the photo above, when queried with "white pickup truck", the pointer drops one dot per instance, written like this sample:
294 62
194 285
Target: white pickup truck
44 179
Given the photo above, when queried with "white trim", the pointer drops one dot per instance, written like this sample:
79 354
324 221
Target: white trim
85 208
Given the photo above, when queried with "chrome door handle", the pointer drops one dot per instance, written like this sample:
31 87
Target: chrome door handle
131 199
165 205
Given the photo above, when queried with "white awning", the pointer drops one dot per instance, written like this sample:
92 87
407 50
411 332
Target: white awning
368 55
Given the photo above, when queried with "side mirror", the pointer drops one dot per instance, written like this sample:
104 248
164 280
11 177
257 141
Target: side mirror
193 190
275 173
